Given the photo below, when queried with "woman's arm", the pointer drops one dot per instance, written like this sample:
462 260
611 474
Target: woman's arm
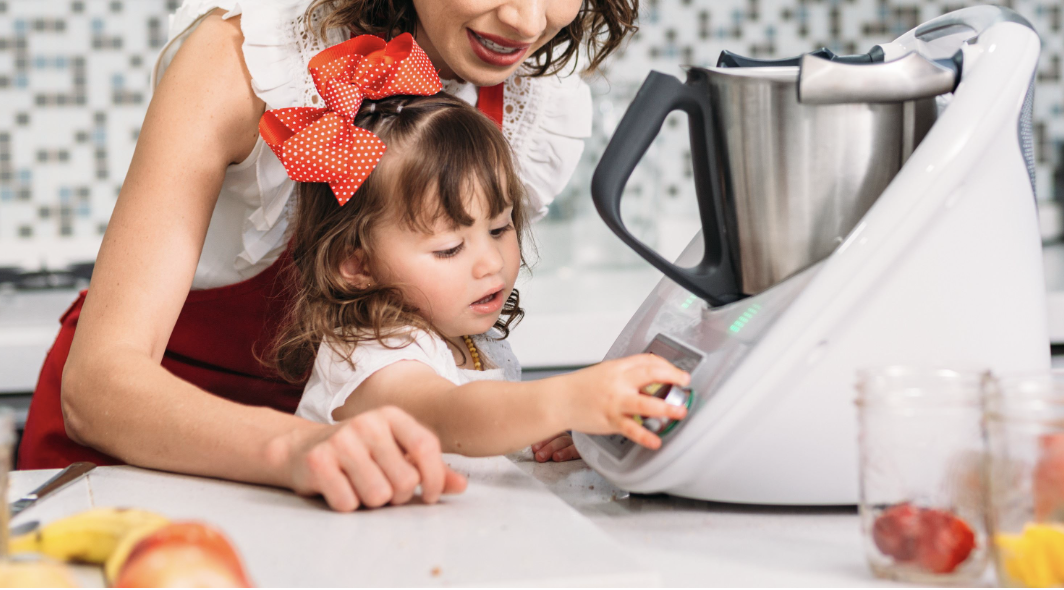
498 417
116 396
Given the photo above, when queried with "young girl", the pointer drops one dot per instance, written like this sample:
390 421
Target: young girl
406 286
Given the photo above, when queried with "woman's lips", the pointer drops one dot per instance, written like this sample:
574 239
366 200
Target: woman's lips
496 51
489 304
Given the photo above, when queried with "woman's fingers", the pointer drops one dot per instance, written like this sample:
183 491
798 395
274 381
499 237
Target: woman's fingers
641 436
453 482
327 479
370 484
376 434
423 449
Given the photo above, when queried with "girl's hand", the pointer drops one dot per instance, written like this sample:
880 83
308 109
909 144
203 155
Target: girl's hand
603 399
378 457
558 448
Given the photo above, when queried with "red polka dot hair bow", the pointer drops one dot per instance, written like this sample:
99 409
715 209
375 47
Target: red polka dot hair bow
323 144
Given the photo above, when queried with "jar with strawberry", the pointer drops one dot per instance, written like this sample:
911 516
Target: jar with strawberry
1025 427
921 443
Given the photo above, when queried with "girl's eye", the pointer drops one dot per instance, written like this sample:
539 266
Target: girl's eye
448 253
500 231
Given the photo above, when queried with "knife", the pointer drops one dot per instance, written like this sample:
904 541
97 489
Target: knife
61 479
21 529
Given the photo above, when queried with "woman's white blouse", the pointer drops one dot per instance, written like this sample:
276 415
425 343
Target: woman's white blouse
545 120
335 376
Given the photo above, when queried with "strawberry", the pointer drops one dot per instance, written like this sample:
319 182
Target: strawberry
896 531
945 541
1049 478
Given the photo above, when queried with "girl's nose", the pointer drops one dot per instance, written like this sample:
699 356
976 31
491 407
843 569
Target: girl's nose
527 18
489 261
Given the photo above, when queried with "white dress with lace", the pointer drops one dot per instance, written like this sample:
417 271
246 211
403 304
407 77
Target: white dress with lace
336 376
545 119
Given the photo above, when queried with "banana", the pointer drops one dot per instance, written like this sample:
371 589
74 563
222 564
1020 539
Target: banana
87 537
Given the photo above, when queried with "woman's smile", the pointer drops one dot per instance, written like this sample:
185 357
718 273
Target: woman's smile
496 51
486 41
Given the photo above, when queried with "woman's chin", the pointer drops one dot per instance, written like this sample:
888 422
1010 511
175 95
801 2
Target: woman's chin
482 75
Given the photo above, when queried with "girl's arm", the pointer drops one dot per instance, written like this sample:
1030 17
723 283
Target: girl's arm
117 398
498 417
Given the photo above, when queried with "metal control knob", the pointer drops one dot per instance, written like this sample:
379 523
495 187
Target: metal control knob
674 396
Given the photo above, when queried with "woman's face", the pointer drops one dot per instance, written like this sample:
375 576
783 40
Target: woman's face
485 41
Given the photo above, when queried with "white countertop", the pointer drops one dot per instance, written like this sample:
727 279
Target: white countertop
520 523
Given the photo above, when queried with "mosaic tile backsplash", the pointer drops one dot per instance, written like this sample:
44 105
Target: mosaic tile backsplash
74 88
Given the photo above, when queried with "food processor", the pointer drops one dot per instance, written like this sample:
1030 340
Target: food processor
857 211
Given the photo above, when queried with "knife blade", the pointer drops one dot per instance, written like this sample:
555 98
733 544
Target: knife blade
61 479
21 529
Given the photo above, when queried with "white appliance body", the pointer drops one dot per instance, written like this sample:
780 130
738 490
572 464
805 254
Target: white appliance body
946 268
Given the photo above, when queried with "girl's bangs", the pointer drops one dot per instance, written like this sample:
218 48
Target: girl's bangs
472 160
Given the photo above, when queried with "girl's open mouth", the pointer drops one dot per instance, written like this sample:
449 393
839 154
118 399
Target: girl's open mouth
489 304
496 51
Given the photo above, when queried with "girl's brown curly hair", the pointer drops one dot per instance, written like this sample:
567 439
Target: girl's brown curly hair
457 147
600 26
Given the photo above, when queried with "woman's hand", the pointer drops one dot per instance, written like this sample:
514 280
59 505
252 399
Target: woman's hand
602 399
378 457
557 448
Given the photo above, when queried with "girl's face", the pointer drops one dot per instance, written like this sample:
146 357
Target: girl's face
458 278
485 41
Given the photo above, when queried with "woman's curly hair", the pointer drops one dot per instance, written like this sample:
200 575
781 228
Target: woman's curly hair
600 27
457 147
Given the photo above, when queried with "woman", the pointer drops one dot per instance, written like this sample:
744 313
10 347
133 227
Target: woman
163 368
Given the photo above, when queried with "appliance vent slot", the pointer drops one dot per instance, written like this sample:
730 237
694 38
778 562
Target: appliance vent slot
1025 129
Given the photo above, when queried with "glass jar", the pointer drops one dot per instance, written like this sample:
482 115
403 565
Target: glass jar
922 504
7 445
1025 428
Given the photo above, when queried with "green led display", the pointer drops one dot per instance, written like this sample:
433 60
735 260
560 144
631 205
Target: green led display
742 320
687 303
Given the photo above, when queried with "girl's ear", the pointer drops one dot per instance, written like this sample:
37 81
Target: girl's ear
355 271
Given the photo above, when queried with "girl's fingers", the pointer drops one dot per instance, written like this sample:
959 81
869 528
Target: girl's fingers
651 368
647 405
548 450
641 436
567 454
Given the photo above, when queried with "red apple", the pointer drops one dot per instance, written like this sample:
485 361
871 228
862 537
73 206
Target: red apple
183 554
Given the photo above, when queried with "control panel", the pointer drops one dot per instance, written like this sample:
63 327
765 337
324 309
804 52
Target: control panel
683 357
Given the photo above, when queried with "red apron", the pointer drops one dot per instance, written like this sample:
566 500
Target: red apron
213 347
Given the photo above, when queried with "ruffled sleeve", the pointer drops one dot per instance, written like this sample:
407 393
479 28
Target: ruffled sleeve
276 49
546 120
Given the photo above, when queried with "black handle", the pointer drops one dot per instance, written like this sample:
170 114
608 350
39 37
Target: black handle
712 279
728 59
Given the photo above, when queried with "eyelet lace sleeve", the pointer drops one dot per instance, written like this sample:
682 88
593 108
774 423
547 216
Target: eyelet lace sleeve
546 120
